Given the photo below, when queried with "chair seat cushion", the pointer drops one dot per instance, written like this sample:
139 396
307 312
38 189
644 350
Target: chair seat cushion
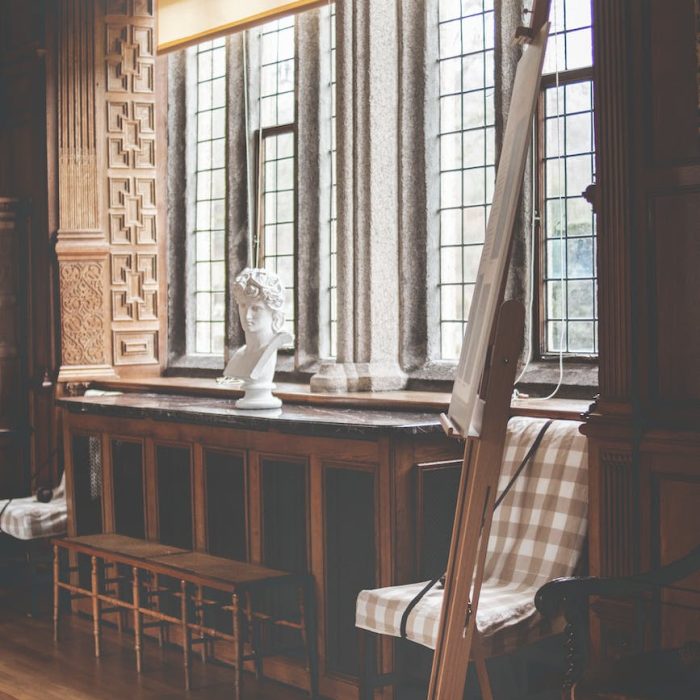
29 519
506 615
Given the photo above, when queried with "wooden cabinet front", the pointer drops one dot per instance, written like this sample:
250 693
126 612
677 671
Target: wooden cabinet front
347 508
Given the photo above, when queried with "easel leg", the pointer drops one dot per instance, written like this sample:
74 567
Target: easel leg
480 474
482 673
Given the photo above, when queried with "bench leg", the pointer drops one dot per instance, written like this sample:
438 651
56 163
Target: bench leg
201 621
136 600
238 645
95 606
155 586
186 634
253 637
308 637
56 574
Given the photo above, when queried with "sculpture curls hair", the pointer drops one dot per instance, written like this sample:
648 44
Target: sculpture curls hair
259 284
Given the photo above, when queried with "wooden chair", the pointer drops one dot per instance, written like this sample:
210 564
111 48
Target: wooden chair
644 674
538 529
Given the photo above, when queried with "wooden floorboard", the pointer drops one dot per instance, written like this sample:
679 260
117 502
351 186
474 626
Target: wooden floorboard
33 668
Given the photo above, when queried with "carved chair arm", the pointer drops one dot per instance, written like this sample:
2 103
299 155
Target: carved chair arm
569 595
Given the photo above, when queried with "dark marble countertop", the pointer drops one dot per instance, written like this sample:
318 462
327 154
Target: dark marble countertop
298 419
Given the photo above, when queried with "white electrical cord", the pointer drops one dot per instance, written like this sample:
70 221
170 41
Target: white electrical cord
562 258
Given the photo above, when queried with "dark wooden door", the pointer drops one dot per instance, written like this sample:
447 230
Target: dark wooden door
13 384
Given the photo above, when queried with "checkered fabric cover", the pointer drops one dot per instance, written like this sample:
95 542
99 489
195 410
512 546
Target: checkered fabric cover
28 519
537 534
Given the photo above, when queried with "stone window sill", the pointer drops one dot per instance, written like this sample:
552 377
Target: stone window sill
299 393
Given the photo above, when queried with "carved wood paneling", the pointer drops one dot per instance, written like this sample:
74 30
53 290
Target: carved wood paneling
673 95
618 530
135 348
78 201
81 247
82 312
676 260
131 190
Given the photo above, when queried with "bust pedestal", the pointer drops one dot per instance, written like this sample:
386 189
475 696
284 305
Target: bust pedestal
258 395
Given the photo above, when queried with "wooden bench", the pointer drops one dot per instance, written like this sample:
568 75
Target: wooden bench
140 567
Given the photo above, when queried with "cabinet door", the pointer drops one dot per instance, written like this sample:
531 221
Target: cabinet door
284 535
127 487
225 483
350 556
436 494
174 484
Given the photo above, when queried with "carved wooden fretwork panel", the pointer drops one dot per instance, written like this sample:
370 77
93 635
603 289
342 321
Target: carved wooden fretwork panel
130 157
131 139
82 319
618 515
135 348
130 58
134 287
132 211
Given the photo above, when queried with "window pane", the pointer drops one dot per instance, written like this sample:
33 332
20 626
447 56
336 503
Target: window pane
569 279
570 44
277 215
277 72
467 156
207 225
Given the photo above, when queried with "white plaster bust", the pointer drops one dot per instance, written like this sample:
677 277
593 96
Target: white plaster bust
260 298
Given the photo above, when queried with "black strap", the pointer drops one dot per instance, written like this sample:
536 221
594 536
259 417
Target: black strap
2 512
530 454
526 460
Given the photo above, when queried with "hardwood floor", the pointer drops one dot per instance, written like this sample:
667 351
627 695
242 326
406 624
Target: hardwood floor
33 668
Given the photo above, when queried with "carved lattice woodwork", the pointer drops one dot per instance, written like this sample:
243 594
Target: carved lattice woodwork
130 167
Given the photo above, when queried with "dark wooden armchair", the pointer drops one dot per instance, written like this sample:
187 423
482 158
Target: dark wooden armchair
660 674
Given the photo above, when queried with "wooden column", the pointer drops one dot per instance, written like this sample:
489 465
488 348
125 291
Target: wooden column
111 268
644 440
81 247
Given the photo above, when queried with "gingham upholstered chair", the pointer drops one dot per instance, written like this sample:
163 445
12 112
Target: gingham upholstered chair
29 519
537 534
32 522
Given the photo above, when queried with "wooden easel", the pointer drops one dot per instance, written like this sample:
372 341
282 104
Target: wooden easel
458 639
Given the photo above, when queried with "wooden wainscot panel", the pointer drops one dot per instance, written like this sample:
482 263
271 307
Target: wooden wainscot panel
671 490
127 488
674 95
613 539
353 558
437 485
174 489
677 261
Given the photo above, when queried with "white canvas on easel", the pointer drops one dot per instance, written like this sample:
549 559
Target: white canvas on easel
465 408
